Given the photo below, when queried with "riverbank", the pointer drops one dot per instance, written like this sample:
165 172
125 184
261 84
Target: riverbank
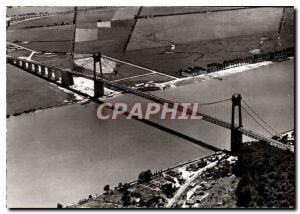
60 142
26 93
219 180
87 87
213 75
166 188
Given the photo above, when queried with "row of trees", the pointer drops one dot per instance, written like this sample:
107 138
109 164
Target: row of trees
213 67
20 17
148 175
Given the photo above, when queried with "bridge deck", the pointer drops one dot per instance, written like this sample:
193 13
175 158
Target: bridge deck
162 101
207 118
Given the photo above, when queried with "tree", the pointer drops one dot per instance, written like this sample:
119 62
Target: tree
284 139
180 71
145 176
106 188
275 137
120 185
154 200
201 163
126 198
246 192
59 206
168 189
124 188
142 203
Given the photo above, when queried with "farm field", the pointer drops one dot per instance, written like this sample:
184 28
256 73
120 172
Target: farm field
202 53
30 9
149 51
43 34
60 61
125 13
154 11
23 90
151 32
111 41
105 14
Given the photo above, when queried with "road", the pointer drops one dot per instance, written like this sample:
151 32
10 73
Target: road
183 188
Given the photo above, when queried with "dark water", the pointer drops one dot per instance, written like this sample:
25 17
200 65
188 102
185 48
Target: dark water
268 89
64 154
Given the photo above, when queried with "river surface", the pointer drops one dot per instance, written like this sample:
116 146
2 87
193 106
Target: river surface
64 154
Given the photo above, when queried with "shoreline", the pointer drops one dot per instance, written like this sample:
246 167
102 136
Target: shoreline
166 170
222 73
208 175
86 86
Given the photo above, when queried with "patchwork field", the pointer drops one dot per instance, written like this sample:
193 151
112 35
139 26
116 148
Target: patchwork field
151 32
158 11
194 44
82 17
204 52
23 10
125 13
111 41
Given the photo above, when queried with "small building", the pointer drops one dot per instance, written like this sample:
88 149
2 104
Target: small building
192 167
190 202
192 185
199 193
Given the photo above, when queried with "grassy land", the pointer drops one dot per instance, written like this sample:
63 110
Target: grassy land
154 11
25 92
111 41
83 17
150 32
203 52
186 54
267 177
23 10
54 33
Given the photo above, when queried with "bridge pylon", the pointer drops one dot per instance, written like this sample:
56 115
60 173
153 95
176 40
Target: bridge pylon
98 86
236 135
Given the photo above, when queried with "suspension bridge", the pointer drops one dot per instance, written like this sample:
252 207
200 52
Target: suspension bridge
232 113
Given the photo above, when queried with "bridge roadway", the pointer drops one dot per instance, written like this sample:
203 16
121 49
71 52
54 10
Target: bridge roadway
205 117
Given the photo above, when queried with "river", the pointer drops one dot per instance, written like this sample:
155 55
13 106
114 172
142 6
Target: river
64 154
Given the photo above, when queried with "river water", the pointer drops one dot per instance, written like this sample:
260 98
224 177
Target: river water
64 154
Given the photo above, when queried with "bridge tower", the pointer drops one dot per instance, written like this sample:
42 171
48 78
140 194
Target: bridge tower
98 86
236 135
